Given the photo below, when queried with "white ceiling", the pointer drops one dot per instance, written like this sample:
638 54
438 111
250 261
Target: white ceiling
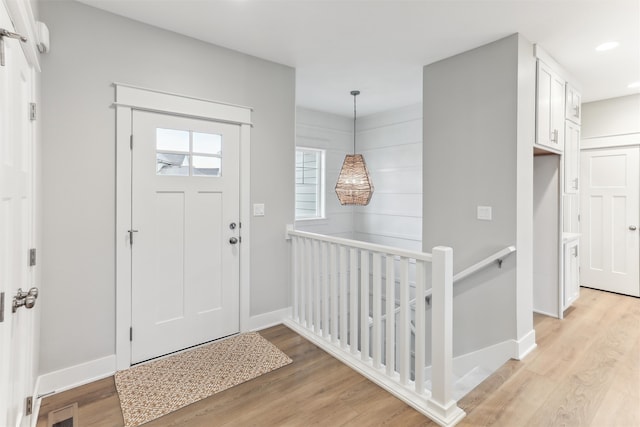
380 47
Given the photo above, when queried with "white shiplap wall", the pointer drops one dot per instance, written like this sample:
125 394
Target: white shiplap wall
391 143
333 133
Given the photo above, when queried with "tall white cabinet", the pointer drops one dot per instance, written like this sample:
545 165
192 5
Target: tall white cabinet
556 188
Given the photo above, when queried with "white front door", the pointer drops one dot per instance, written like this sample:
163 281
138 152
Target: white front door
16 230
610 215
184 232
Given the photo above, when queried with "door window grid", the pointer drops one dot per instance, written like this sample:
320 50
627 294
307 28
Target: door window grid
188 153
309 186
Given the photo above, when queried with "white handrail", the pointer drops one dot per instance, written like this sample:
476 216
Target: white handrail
498 256
423 256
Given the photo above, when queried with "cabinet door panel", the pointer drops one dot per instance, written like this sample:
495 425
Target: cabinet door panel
573 101
550 111
571 273
571 158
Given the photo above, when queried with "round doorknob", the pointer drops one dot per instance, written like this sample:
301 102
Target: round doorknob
632 227
233 240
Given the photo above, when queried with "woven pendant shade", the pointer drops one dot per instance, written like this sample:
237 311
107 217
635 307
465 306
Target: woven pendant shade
354 186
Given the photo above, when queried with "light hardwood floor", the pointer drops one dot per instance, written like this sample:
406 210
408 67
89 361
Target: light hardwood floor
584 372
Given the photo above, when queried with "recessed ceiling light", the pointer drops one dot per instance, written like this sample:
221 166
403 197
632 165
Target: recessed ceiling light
634 85
607 46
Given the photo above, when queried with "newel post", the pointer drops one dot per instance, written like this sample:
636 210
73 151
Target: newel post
441 401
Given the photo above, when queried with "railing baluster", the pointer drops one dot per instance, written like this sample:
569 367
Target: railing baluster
377 311
295 277
364 305
344 340
303 281
317 286
420 318
353 300
309 290
325 289
334 294
404 352
390 354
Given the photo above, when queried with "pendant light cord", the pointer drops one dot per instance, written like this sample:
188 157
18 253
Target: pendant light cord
354 93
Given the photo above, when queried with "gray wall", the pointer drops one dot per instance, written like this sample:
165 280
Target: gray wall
615 116
91 49
471 141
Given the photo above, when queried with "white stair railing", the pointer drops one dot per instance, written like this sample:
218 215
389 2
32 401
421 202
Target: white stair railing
333 281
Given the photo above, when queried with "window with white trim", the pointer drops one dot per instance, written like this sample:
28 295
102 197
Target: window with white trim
309 183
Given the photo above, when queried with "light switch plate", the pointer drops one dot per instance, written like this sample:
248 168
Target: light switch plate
258 209
484 213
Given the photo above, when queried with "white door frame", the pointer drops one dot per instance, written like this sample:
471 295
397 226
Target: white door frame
129 98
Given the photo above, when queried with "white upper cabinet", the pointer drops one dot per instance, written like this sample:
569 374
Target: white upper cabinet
573 109
571 157
550 109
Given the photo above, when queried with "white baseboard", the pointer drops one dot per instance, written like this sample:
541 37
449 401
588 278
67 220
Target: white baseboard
524 345
490 358
74 376
545 313
266 320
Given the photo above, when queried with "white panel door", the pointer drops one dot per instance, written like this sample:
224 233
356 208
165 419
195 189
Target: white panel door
185 213
609 226
16 231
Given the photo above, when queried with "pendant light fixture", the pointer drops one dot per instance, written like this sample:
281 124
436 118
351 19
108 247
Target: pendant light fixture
354 185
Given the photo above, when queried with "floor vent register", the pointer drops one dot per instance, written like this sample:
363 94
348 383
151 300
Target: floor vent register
64 417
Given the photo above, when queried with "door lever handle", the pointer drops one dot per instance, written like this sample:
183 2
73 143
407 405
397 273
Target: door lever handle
24 299
131 236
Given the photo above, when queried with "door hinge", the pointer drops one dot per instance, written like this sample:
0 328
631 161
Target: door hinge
28 406
1 307
131 142
32 111
131 333
32 257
